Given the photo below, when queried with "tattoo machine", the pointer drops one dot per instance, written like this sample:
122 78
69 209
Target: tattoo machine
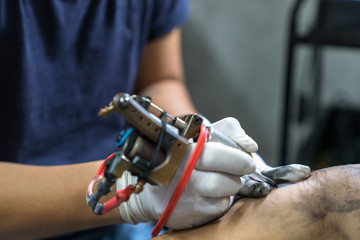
151 147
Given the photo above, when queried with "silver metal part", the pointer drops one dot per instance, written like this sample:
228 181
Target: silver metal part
179 123
217 136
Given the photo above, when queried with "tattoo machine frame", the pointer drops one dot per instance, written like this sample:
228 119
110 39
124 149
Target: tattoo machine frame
151 148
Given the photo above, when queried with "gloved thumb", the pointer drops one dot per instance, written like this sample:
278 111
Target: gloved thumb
231 128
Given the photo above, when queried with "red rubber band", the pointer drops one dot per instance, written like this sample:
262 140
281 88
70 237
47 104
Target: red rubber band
183 180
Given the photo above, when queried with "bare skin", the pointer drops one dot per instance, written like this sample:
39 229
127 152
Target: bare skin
326 206
37 202
43 201
161 75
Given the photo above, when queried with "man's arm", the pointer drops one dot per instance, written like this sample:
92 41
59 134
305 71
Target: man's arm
161 75
42 201
325 206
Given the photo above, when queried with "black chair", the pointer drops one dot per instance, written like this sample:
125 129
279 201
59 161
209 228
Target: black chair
337 23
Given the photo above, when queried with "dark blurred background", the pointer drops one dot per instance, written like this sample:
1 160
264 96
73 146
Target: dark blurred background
235 55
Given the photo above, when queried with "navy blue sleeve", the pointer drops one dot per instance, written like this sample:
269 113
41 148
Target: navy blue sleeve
168 14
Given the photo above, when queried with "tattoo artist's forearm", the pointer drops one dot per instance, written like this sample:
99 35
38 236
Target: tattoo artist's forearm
43 201
171 95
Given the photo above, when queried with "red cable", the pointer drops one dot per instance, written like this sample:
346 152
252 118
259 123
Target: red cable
99 175
183 180
102 167
121 195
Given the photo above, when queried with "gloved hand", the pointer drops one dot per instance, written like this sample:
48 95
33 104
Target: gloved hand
257 184
207 195
265 178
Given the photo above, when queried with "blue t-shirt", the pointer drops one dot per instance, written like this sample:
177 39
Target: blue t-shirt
60 62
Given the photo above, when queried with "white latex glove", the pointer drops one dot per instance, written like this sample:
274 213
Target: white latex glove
289 173
207 195
255 185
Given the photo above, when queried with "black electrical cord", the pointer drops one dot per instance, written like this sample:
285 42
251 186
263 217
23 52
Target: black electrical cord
158 146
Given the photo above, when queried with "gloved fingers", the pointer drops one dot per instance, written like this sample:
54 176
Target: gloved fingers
213 185
232 129
247 143
197 212
208 206
288 173
221 158
251 188
214 206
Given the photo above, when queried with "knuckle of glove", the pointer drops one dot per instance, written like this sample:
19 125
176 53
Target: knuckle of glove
209 210
220 158
222 205
214 185
193 211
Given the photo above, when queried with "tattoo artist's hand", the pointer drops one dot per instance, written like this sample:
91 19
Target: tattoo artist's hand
207 195
257 185
265 178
